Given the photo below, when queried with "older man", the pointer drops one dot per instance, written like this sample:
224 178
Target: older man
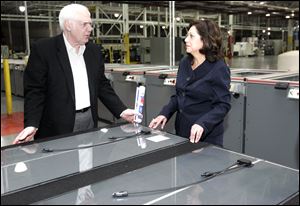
63 78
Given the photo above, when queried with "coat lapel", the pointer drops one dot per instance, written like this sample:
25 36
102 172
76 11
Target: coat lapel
65 65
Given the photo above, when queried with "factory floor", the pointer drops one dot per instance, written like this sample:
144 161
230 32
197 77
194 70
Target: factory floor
258 62
11 125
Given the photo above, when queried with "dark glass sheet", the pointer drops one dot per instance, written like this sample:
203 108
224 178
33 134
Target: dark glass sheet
265 183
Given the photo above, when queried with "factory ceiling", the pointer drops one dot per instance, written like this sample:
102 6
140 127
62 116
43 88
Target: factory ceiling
275 8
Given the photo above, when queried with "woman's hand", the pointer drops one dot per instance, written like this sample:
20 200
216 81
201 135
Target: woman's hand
196 133
161 119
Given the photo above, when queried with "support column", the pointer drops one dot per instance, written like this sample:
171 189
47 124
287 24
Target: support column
158 22
7 84
27 30
126 48
145 25
10 36
97 26
283 47
55 26
50 24
290 35
172 32
229 52
151 27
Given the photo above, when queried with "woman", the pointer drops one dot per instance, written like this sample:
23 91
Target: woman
202 96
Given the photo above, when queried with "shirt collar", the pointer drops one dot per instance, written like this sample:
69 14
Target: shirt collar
72 49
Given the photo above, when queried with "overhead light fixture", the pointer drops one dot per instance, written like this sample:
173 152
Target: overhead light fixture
269 33
163 27
261 3
263 31
287 17
292 14
268 14
116 15
141 26
22 8
177 18
249 12
269 28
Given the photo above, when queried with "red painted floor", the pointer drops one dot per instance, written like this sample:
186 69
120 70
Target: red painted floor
12 124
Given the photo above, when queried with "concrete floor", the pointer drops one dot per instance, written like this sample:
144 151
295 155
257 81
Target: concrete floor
259 62
262 62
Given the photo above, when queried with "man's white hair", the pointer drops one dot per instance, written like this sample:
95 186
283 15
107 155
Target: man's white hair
69 12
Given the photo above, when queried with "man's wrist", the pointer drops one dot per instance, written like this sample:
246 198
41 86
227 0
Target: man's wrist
32 127
122 113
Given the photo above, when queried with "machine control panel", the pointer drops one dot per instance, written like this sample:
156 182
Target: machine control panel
170 81
135 78
293 93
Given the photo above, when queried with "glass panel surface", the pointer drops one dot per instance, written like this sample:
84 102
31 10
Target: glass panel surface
27 165
263 183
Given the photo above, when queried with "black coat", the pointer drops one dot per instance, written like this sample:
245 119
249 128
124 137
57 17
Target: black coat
202 97
49 87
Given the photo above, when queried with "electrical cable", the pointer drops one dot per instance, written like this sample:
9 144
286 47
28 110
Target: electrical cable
112 139
241 163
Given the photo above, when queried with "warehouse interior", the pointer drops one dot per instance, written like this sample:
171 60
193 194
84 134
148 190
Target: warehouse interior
142 44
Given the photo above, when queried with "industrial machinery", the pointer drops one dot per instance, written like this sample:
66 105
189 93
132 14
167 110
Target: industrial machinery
244 49
16 67
234 123
272 119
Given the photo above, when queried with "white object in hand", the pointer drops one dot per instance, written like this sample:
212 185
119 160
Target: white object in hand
139 103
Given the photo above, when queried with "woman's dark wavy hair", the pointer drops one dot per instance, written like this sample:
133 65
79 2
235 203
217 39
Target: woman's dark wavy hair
212 39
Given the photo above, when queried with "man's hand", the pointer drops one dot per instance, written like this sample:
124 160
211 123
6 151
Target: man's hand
25 135
129 114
